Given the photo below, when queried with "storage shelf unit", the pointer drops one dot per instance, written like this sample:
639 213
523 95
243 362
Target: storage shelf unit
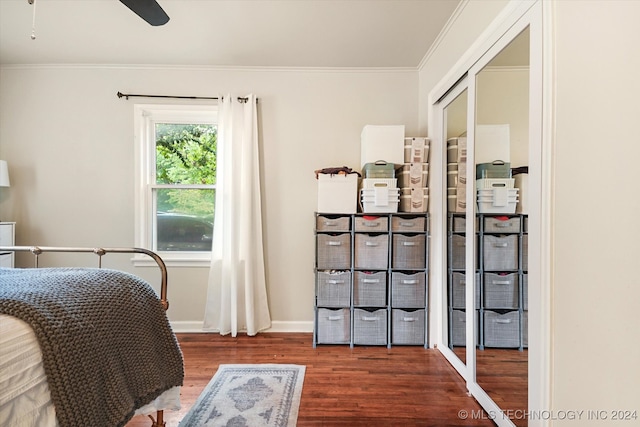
7 238
371 275
501 308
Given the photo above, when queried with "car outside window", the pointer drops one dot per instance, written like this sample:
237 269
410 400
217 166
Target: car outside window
176 162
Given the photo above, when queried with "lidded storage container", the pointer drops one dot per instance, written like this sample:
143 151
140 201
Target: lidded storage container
379 169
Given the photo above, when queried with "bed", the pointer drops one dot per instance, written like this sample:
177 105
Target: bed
85 346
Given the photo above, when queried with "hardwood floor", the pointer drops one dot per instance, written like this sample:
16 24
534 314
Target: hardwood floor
360 386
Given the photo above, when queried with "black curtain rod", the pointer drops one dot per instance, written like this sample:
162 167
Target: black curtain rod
128 95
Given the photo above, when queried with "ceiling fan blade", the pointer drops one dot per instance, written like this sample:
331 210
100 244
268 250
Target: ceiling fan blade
149 10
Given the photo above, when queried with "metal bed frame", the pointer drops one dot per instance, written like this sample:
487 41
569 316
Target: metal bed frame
100 252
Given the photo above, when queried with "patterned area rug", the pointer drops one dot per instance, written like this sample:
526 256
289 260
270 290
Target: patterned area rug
249 395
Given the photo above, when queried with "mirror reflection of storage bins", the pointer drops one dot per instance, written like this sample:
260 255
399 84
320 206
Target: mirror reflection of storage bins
371 251
459 328
370 289
409 251
500 252
334 326
458 249
502 329
334 288
459 290
407 327
334 251
501 290
408 290
370 327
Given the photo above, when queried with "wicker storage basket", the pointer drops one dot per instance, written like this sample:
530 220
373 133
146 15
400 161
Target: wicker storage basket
502 330
370 223
500 253
408 224
334 251
371 251
408 290
370 289
459 328
500 224
525 252
458 248
370 327
459 290
525 291
501 291
334 326
409 251
525 329
334 289
333 223
407 327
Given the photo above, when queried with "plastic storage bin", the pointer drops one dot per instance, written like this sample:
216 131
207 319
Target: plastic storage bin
496 169
370 289
407 327
370 327
379 169
334 289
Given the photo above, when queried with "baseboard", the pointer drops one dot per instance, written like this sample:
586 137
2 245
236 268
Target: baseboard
191 327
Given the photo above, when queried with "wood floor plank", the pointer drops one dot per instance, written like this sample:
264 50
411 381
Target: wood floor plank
361 386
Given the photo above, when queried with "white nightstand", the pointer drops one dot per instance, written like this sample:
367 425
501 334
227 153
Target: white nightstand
7 238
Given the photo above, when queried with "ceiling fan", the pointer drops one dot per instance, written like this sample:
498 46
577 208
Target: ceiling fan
149 10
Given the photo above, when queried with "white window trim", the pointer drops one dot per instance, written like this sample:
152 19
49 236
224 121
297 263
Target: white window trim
145 117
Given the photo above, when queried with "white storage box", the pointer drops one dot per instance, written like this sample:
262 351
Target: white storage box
379 182
492 143
491 183
379 200
498 200
521 182
382 143
416 150
337 193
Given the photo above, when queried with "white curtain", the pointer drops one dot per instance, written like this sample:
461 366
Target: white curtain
237 294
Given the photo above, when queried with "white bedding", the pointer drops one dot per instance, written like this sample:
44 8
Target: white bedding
24 394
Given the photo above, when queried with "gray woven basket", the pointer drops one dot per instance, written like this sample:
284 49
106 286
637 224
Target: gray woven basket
502 330
501 290
500 225
333 223
500 253
459 290
408 290
370 289
525 329
458 248
334 251
371 251
407 327
409 251
334 289
370 327
334 326
525 291
406 224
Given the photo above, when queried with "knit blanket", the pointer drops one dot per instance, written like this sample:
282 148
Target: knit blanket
105 339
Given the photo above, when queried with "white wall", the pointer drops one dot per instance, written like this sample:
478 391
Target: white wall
596 290
69 143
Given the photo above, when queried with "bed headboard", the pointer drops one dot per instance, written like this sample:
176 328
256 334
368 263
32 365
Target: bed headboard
100 252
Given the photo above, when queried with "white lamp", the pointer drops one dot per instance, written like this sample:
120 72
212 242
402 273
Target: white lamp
4 174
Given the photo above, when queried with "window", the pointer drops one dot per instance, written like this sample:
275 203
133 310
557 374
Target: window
175 181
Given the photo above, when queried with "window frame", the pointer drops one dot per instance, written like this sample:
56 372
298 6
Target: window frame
145 118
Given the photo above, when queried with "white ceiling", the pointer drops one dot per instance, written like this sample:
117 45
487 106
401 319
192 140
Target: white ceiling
242 33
